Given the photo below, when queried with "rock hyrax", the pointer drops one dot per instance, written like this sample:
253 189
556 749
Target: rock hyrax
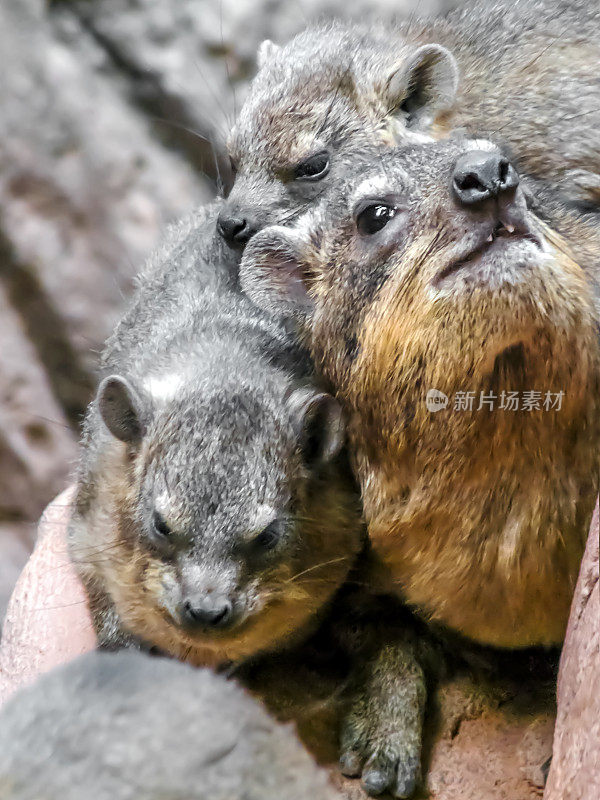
524 71
461 334
215 514
425 276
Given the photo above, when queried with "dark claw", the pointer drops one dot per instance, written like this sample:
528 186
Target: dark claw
405 787
409 775
375 781
546 768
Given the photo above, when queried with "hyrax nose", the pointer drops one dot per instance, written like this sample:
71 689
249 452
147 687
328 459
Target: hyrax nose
236 228
207 612
480 175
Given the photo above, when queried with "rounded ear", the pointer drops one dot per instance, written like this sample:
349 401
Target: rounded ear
121 409
266 50
318 424
424 84
274 271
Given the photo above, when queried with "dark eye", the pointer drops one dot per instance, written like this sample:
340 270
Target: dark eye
160 526
312 169
269 537
374 217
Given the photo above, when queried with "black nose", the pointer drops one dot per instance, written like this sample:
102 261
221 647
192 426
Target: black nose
236 229
479 175
207 612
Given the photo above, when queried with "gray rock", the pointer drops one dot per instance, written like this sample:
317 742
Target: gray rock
126 726
85 191
37 446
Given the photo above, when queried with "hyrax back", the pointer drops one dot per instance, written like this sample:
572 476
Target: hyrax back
215 515
126 726
479 511
525 72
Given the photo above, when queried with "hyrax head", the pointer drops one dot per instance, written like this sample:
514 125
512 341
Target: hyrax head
425 269
315 104
236 521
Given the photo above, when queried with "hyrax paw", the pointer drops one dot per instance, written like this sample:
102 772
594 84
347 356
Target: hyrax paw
381 734
385 762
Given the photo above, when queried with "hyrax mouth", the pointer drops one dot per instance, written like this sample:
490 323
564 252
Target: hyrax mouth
497 241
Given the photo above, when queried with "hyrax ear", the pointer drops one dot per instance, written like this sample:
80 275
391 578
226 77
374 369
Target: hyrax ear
274 271
319 425
266 50
424 85
121 409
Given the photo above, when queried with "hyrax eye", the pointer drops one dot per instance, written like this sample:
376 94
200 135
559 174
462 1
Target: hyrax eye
374 217
160 526
313 168
269 537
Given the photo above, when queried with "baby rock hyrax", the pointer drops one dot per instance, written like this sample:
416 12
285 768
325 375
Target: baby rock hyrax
425 274
524 70
127 726
214 515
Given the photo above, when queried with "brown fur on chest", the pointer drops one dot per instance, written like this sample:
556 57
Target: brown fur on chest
478 517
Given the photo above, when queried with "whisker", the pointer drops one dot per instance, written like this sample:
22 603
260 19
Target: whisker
58 608
316 566
332 101
215 97
229 81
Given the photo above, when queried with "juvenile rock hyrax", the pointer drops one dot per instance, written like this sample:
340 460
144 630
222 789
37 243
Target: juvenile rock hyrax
522 70
462 337
215 514
126 726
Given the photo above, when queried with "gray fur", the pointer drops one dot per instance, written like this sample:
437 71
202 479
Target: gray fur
528 75
126 726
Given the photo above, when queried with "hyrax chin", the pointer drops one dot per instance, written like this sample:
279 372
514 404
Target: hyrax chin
526 69
215 516
426 271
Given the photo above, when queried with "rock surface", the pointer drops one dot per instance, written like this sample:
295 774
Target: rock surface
482 743
575 770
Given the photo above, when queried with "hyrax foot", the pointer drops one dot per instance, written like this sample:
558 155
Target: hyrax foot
381 734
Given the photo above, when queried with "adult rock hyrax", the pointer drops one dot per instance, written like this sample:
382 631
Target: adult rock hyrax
215 515
126 726
522 70
434 300
428 272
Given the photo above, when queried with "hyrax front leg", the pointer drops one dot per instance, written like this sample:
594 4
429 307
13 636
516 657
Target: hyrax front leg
382 731
107 623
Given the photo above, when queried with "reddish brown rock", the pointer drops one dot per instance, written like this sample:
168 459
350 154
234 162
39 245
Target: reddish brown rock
575 770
